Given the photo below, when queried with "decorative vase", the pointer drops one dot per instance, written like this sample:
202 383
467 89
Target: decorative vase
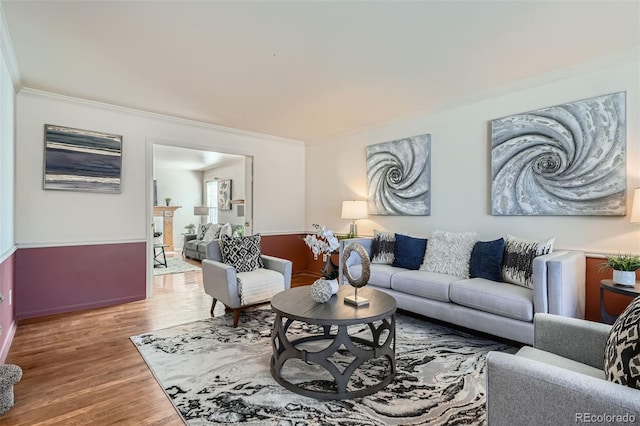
329 270
624 277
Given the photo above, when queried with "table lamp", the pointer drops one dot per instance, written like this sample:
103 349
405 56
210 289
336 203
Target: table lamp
354 210
202 211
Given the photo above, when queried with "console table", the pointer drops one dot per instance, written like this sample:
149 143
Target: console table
166 213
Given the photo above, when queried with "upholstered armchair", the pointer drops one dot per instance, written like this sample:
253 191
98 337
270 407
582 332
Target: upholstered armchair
236 290
560 380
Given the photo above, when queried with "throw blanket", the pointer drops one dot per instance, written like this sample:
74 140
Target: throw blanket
259 285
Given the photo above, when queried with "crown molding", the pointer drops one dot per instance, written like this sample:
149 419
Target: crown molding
156 116
6 48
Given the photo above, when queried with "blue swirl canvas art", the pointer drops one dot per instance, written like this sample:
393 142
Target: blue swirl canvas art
565 160
81 160
399 177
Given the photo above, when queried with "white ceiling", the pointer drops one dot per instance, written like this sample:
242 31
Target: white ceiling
172 157
305 69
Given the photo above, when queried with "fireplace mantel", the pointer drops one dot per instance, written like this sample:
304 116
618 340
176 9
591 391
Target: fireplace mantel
166 213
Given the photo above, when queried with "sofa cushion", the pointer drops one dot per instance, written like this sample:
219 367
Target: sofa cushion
202 230
430 285
517 264
201 246
380 274
243 253
213 233
408 251
382 247
502 299
486 260
449 253
622 350
559 361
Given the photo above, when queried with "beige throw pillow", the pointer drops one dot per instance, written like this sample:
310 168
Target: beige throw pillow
449 253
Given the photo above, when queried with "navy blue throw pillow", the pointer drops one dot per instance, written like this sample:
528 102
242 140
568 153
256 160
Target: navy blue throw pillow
486 260
409 252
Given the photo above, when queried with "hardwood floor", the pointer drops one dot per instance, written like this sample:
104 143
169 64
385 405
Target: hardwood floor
80 368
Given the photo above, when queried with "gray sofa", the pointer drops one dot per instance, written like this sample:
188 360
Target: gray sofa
501 309
559 381
199 249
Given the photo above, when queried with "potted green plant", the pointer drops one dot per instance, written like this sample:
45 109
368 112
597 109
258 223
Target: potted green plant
190 228
168 201
624 268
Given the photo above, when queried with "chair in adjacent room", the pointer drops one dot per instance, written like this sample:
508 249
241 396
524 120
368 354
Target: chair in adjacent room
246 277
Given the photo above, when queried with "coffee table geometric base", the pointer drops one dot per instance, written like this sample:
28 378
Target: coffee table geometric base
360 348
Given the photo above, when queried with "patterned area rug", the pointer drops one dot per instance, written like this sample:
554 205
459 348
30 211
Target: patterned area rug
215 374
175 265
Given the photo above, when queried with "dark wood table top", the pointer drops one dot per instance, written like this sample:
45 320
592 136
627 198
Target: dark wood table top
628 290
296 303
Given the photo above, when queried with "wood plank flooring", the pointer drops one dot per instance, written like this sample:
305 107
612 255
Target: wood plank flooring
80 368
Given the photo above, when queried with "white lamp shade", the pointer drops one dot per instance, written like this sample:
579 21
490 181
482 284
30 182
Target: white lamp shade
201 211
354 209
635 207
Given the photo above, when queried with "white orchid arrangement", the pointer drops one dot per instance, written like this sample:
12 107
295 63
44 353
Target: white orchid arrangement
323 241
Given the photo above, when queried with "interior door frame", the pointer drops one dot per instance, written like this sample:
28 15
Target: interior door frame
150 142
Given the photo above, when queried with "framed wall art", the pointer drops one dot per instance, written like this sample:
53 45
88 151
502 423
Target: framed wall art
568 160
81 160
224 194
399 177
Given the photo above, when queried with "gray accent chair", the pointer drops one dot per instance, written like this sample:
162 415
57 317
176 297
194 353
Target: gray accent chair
558 381
221 281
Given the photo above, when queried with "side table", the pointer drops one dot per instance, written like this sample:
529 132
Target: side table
609 285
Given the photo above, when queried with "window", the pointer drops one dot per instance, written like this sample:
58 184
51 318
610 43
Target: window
212 201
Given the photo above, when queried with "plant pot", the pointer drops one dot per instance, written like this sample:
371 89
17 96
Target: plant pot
624 277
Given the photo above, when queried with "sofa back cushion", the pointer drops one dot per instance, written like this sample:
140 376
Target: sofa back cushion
409 251
449 253
486 260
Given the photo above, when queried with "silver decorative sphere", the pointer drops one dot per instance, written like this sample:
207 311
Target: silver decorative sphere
321 291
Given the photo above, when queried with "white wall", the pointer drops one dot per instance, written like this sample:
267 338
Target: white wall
62 217
7 158
460 176
184 187
234 171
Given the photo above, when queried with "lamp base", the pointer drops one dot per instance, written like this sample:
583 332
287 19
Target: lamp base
353 229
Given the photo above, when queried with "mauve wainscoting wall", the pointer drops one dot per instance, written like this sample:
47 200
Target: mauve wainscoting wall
52 280
8 312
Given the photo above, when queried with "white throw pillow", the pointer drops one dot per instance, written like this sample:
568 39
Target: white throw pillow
227 230
517 262
212 233
449 253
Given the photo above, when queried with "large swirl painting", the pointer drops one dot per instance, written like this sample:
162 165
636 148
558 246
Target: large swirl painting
399 177
563 160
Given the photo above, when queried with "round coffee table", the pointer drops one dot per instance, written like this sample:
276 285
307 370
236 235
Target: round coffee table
296 304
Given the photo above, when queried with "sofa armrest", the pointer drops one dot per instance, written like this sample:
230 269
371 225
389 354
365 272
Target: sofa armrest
277 264
221 282
523 391
189 237
576 339
559 283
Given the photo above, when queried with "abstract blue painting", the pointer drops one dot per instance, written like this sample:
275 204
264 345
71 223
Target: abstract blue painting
567 160
82 160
